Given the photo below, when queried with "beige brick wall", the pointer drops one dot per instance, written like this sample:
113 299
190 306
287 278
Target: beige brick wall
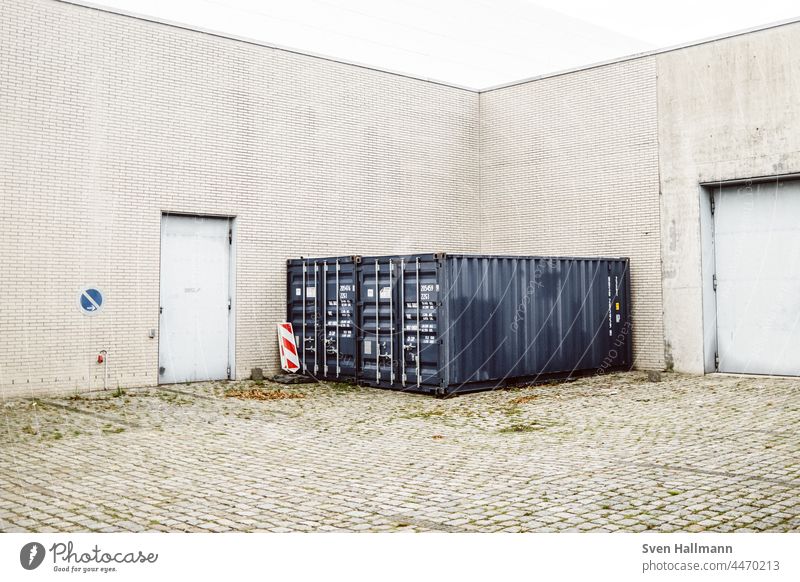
569 166
108 120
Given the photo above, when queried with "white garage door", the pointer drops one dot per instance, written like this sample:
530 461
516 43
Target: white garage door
757 262
195 294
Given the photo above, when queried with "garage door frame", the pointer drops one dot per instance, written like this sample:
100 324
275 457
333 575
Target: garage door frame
708 267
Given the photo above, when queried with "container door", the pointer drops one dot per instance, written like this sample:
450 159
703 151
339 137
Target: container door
338 319
399 322
195 299
420 316
305 317
380 343
321 298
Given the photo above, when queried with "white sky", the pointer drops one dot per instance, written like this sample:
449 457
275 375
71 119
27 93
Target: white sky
473 43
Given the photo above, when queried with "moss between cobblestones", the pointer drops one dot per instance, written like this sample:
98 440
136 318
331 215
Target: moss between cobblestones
340 387
113 430
524 399
177 399
526 427
260 394
436 413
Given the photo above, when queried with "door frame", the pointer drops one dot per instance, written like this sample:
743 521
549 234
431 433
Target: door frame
232 225
708 258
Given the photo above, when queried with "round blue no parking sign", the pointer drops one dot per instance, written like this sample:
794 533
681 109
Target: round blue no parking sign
90 300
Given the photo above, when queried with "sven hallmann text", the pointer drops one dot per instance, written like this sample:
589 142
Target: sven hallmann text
693 548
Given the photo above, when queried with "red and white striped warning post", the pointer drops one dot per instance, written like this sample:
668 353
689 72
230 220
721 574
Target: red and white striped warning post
289 359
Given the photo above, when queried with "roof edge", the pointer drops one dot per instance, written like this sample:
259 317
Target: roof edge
247 40
645 54
220 34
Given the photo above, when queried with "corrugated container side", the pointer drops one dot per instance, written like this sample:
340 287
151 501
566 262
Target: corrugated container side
514 317
321 306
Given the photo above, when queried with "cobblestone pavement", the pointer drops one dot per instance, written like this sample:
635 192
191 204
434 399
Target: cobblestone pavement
613 453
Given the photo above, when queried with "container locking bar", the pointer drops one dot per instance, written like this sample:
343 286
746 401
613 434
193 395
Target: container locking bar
391 324
377 326
338 306
403 321
418 308
316 320
305 369
325 318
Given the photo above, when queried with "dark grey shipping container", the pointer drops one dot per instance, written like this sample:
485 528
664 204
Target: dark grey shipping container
321 306
444 324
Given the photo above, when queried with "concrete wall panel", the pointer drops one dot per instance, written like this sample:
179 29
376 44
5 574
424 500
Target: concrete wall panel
727 110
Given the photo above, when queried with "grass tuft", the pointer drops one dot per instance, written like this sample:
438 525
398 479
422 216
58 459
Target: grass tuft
259 394
520 427
524 399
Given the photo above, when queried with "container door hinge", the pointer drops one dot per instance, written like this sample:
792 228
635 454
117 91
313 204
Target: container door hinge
230 236
713 204
714 281
229 303
716 361
229 372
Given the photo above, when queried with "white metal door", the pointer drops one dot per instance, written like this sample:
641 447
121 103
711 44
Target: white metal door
195 299
756 250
